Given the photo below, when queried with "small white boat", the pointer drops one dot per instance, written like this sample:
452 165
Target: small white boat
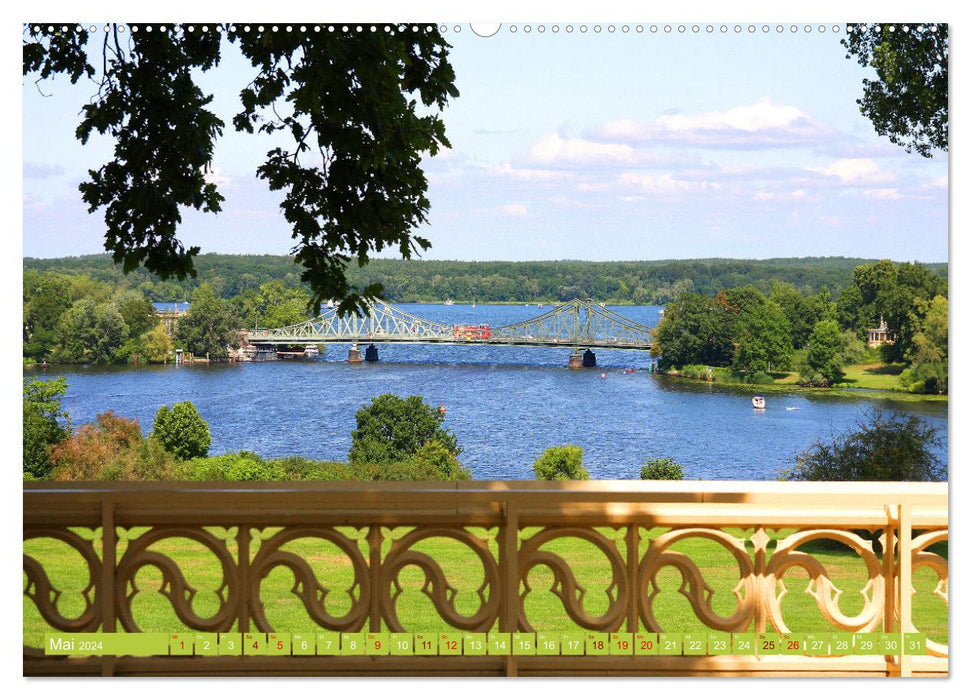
758 401
311 351
449 302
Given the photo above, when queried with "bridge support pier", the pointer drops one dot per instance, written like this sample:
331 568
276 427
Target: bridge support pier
371 353
354 355
576 360
589 358
579 360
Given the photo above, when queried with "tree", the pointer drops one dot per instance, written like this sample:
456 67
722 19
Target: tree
394 429
928 371
764 340
209 327
91 332
663 468
824 357
45 423
908 100
155 345
182 431
695 330
564 463
884 447
349 101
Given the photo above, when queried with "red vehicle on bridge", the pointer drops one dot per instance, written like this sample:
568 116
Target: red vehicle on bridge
480 332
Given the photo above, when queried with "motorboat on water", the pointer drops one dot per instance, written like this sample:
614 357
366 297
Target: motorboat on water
449 302
758 401
311 351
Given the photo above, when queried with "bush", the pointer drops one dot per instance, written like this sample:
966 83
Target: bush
45 424
240 466
561 464
111 449
393 429
892 447
182 431
662 469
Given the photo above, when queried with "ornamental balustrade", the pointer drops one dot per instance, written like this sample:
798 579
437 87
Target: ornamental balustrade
607 555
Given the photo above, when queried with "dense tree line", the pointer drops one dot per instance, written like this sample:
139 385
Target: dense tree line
646 282
755 334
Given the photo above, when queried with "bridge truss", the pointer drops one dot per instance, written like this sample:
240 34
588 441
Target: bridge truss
576 324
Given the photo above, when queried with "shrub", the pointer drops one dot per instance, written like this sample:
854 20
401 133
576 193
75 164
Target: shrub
393 429
662 469
45 424
561 464
182 431
239 466
892 447
111 449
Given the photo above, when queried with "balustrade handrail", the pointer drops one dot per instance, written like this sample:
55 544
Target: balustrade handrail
907 517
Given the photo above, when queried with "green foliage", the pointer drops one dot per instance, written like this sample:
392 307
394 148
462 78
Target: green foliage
366 195
154 345
695 330
886 447
90 332
45 423
394 429
764 337
824 357
182 431
111 449
647 282
662 468
928 373
908 100
561 464
209 328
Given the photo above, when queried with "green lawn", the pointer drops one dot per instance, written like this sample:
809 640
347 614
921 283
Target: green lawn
874 376
463 571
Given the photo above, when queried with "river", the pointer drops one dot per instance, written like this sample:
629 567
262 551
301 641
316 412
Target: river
505 404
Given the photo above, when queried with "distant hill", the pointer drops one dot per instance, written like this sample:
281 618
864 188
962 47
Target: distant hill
642 282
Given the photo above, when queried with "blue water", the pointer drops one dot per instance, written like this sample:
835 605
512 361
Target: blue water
506 405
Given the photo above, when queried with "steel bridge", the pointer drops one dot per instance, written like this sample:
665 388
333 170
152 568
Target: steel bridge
577 324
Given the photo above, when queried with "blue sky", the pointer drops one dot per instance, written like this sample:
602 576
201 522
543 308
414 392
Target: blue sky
597 146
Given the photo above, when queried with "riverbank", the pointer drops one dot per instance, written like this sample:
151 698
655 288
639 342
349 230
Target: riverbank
860 386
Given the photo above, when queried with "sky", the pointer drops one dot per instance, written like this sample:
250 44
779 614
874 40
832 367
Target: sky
606 145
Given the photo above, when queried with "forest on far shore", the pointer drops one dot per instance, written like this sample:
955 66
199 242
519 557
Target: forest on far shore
415 281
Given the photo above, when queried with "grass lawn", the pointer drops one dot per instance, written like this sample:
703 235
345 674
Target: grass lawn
463 571
874 376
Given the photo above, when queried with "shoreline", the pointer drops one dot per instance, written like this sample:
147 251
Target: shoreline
778 388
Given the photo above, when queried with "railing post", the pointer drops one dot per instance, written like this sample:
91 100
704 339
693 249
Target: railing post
509 577
109 560
889 567
906 584
633 562
243 542
374 564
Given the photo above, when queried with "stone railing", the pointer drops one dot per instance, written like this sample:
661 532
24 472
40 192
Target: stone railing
645 537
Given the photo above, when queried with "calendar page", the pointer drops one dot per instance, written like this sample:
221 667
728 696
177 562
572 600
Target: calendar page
523 348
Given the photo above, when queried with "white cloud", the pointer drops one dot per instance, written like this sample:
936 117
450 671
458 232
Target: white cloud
762 124
661 184
528 174
216 176
553 149
519 210
751 118
855 171
883 193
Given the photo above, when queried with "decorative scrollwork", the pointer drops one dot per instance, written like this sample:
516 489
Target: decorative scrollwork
306 586
821 588
565 585
693 585
938 564
174 586
436 587
45 596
